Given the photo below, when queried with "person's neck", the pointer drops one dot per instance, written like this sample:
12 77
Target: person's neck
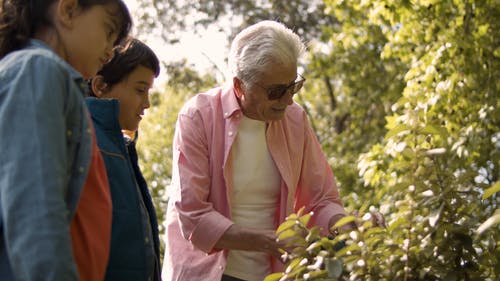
50 37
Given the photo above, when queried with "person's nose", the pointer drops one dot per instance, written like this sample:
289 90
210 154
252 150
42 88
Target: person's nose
146 104
287 97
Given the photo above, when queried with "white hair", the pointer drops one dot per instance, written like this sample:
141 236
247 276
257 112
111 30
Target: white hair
260 45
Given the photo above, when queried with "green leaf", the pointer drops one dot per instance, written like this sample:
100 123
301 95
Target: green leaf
435 215
490 222
300 211
286 234
274 276
398 129
296 241
408 153
304 220
435 130
492 190
315 274
396 224
293 263
286 225
374 231
372 241
313 234
334 267
314 246
343 221
299 269
353 248
391 122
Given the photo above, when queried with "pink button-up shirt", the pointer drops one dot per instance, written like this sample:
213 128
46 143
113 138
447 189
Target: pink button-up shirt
199 210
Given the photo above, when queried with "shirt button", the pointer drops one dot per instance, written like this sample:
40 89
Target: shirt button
80 169
226 114
221 267
230 133
89 131
69 133
146 240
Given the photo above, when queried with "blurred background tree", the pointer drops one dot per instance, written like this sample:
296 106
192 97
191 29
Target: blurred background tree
403 96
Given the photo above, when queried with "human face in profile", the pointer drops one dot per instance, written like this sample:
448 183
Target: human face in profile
259 102
133 95
87 36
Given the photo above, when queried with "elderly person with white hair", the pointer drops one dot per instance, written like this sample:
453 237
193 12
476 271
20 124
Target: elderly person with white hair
244 158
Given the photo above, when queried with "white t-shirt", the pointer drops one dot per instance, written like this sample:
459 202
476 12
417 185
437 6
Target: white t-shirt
255 196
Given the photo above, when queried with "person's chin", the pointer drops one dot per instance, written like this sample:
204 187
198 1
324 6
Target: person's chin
132 127
276 116
280 112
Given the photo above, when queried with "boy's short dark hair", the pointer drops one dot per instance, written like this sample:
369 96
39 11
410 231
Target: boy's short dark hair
127 57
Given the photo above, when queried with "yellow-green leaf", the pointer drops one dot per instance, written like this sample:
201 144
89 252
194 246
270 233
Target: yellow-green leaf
286 234
492 190
397 223
435 130
274 276
343 221
353 248
286 225
398 129
490 222
300 211
304 220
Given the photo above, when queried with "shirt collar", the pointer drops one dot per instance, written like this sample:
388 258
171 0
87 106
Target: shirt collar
105 113
230 103
74 74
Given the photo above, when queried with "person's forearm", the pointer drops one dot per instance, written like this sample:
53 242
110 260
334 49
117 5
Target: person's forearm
240 238
248 239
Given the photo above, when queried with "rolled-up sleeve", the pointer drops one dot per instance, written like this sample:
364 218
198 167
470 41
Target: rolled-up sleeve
33 172
317 190
200 223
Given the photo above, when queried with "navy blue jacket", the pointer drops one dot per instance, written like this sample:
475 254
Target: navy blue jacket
127 260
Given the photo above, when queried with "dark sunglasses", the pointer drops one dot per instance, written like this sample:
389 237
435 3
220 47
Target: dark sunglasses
278 91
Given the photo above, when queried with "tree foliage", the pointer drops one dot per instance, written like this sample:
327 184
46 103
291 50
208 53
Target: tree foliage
171 17
440 154
403 95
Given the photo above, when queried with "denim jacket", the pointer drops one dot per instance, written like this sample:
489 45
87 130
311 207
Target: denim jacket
45 149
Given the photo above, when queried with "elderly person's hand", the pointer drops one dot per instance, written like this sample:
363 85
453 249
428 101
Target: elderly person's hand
251 239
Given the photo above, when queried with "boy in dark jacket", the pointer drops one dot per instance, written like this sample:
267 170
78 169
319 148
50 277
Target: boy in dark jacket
120 91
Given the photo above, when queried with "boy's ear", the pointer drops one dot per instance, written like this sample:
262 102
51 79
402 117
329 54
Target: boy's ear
66 11
98 86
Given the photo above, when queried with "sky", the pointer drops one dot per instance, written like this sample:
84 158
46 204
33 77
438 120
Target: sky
201 52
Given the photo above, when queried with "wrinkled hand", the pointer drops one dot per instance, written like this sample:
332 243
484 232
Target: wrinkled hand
250 239
266 242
